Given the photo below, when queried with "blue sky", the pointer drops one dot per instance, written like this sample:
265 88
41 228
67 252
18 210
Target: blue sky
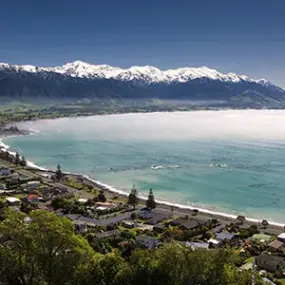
240 36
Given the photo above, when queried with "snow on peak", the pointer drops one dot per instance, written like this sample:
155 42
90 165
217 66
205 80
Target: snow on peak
145 74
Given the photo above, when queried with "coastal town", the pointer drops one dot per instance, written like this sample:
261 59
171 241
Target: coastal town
112 221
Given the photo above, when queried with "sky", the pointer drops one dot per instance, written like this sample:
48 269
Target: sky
245 36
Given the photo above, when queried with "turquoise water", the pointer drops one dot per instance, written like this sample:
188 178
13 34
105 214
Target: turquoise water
226 161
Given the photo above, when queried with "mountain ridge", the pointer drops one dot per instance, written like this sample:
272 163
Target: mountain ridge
147 74
78 81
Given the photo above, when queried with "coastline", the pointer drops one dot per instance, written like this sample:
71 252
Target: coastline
186 209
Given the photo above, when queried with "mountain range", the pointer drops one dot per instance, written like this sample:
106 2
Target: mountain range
79 80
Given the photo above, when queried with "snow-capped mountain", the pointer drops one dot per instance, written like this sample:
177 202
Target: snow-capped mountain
145 74
80 80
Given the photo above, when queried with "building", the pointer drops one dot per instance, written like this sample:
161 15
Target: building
281 237
129 224
213 242
101 223
108 234
147 241
275 245
145 213
261 237
13 201
190 224
270 262
197 245
31 185
227 237
154 216
82 201
159 228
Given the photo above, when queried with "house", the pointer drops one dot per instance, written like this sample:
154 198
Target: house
214 242
270 262
197 245
82 201
159 216
13 201
101 208
80 226
261 237
32 198
129 224
145 213
107 205
147 241
218 229
154 216
102 223
275 245
190 224
31 185
281 237
227 237
108 234
159 228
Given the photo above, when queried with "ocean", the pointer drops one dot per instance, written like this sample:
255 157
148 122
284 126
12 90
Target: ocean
224 161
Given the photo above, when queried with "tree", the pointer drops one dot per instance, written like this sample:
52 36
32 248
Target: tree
264 223
150 202
44 251
23 162
101 197
133 199
17 158
58 173
241 219
60 203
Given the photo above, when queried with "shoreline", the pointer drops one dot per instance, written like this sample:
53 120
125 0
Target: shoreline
187 209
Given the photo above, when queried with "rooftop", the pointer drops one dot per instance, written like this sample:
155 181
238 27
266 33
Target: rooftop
276 244
108 234
224 236
12 199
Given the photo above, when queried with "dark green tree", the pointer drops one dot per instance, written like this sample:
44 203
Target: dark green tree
17 158
23 162
133 199
150 202
101 197
58 173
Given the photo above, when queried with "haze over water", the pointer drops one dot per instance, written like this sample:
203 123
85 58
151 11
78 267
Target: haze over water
226 161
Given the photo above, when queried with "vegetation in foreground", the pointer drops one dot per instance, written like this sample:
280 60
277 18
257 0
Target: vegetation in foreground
46 250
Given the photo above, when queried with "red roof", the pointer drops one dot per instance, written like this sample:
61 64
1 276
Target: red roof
31 196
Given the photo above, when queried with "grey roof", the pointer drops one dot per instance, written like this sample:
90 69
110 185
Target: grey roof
159 216
159 226
104 222
145 238
225 236
269 262
189 224
108 234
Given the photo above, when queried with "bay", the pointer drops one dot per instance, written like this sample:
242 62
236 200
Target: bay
225 161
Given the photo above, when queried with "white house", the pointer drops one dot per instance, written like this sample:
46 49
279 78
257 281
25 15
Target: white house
13 201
